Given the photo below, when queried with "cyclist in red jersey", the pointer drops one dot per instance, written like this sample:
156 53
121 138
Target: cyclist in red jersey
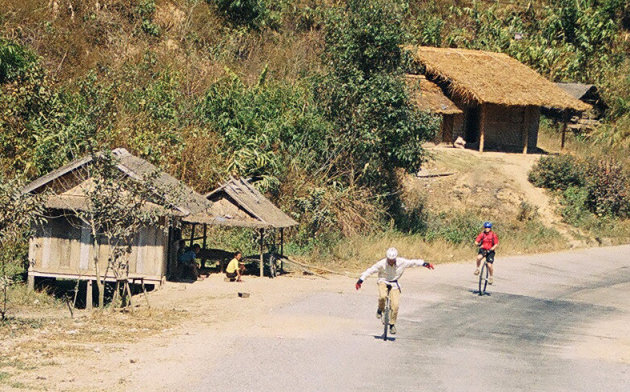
487 241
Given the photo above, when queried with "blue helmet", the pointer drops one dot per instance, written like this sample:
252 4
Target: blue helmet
487 225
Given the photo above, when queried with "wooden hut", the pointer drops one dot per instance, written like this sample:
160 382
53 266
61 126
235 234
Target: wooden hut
236 203
61 247
429 97
587 120
501 97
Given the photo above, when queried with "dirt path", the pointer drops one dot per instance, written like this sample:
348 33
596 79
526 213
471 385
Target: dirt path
510 169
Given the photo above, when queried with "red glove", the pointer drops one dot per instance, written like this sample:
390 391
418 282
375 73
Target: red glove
428 265
358 284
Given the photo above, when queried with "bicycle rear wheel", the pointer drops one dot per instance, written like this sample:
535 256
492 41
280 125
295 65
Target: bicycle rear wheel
483 279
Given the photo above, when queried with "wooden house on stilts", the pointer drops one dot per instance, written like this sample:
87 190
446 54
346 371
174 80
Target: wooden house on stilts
61 246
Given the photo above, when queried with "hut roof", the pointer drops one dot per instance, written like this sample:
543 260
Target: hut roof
488 77
238 203
577 90
187 201
428 96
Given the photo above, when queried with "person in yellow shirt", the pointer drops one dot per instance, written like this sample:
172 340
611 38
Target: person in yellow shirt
235 268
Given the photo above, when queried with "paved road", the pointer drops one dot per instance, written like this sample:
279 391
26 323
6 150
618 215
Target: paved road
555 322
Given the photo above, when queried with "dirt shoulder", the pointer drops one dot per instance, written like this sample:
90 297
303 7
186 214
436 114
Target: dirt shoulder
117 351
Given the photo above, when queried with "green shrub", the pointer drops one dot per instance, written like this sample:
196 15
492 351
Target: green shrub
249 13
557 172
457 229
15 60
574 210
608 188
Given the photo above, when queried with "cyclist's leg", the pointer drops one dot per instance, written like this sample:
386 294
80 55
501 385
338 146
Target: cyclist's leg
394 301
382 295
490 260
478 261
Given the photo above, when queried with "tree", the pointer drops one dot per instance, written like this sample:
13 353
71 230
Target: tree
18 212
364 93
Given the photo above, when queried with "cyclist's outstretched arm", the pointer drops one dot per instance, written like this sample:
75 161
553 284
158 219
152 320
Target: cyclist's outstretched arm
373 269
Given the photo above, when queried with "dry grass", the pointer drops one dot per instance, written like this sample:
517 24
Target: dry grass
428 96
43 335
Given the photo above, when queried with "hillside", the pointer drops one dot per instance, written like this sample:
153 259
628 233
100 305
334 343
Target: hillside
300 95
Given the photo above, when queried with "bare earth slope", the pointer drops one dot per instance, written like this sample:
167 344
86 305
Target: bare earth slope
491 180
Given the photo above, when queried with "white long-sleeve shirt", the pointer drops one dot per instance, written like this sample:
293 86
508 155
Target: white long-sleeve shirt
391 273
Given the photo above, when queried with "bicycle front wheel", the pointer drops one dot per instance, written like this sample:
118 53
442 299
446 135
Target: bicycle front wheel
385 321
483 279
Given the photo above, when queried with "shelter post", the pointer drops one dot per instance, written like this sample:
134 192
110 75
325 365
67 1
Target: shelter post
205 235
88 295
281 248
262 233
565 120
482 126
525 130
192 234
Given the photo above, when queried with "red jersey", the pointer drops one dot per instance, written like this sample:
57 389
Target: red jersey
488 240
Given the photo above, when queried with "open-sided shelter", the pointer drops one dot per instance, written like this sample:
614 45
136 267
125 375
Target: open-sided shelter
236 203
61 247
501 97
429 97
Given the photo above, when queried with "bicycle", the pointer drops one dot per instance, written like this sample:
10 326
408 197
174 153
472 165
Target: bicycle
483 274
386 313
275 266
275 262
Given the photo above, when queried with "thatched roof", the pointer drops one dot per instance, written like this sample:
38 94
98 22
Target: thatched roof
488 77
428 96
238 203
577 90
187 201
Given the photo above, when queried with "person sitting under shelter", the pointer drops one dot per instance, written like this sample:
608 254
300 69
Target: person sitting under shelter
235 268
188 262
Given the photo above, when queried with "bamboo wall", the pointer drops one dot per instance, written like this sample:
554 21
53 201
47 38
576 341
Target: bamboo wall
62 247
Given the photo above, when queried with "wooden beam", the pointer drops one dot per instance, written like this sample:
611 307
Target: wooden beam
192 234
88 295
31 282
565 120
482 127
525 130
205 234
281 249
262 233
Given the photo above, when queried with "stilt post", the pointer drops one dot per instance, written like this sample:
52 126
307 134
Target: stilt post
88 295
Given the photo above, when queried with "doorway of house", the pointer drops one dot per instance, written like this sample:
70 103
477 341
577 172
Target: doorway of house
471 124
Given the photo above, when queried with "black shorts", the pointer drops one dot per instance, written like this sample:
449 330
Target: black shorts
231 275
488 254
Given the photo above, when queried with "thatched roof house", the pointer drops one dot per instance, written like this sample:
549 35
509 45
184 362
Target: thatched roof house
501 97
61 247
429 97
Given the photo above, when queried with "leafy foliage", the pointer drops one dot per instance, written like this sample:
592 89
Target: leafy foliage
364 95
557 172
601 186
249 13
17 212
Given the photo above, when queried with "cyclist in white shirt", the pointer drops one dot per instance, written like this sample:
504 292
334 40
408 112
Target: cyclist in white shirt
390 269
